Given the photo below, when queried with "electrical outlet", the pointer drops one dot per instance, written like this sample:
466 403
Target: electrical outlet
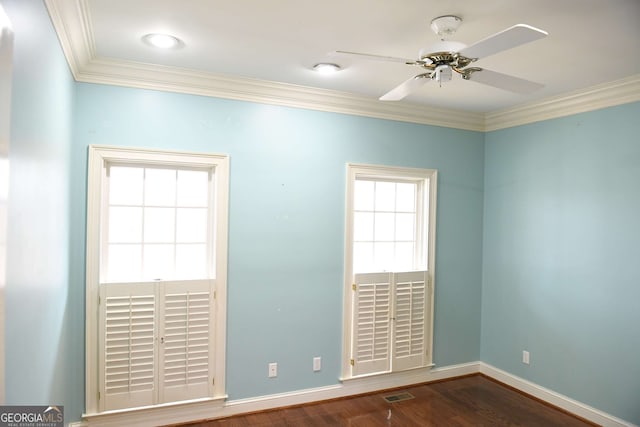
525 357
273 370
317 364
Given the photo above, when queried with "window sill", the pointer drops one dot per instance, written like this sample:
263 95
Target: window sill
383 375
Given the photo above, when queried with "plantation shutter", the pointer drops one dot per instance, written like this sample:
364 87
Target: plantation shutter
389 322
127 351
371 329
410 325
185 331
156 343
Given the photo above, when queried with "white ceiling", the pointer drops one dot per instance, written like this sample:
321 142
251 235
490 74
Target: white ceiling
590 42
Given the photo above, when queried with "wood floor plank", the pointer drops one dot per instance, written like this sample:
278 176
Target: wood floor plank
470 401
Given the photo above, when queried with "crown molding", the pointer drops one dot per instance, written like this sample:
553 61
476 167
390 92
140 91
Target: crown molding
605 95
72 23
173 79
71 20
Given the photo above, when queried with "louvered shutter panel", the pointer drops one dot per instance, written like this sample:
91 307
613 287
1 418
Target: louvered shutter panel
371 329
127 351
186 328
410 326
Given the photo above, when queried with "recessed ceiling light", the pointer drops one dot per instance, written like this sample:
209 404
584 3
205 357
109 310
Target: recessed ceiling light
162 41
326 68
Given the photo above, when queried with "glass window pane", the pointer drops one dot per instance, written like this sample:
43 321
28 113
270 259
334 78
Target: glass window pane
405 197
384 227
193 188
362 226
160 187
404 256
383 256
363 196
191 261
125 225
158 262
125 185
385 196
191 225
363 257
405 226
124 263
159 225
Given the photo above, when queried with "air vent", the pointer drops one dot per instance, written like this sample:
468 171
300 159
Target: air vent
398 397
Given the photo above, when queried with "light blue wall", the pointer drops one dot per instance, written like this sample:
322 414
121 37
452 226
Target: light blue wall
43 324
561 254
286 232
548 265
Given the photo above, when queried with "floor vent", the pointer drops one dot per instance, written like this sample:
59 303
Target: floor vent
398 397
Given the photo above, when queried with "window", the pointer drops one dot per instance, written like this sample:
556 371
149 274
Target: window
389 269
386 226
157 224
156 277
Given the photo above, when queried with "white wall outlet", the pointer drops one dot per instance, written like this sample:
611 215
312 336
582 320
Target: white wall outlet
525 357
273 370
317 364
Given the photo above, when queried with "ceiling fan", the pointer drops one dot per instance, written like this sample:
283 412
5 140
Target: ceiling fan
446 57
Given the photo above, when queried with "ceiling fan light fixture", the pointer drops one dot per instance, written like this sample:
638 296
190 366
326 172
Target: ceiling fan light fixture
442 74
162 41
326 68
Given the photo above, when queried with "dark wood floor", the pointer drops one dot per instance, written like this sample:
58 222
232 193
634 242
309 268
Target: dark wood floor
467 401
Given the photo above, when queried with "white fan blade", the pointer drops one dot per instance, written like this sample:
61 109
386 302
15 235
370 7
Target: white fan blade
376 57
406 87
505 39
504 81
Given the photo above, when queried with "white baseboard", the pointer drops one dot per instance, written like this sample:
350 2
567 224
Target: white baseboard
556 399
204 410
201 410
350 387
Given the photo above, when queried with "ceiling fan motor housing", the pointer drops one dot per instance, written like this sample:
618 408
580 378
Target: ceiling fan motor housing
441 51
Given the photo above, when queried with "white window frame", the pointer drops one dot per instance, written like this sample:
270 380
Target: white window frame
99 158
428 178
